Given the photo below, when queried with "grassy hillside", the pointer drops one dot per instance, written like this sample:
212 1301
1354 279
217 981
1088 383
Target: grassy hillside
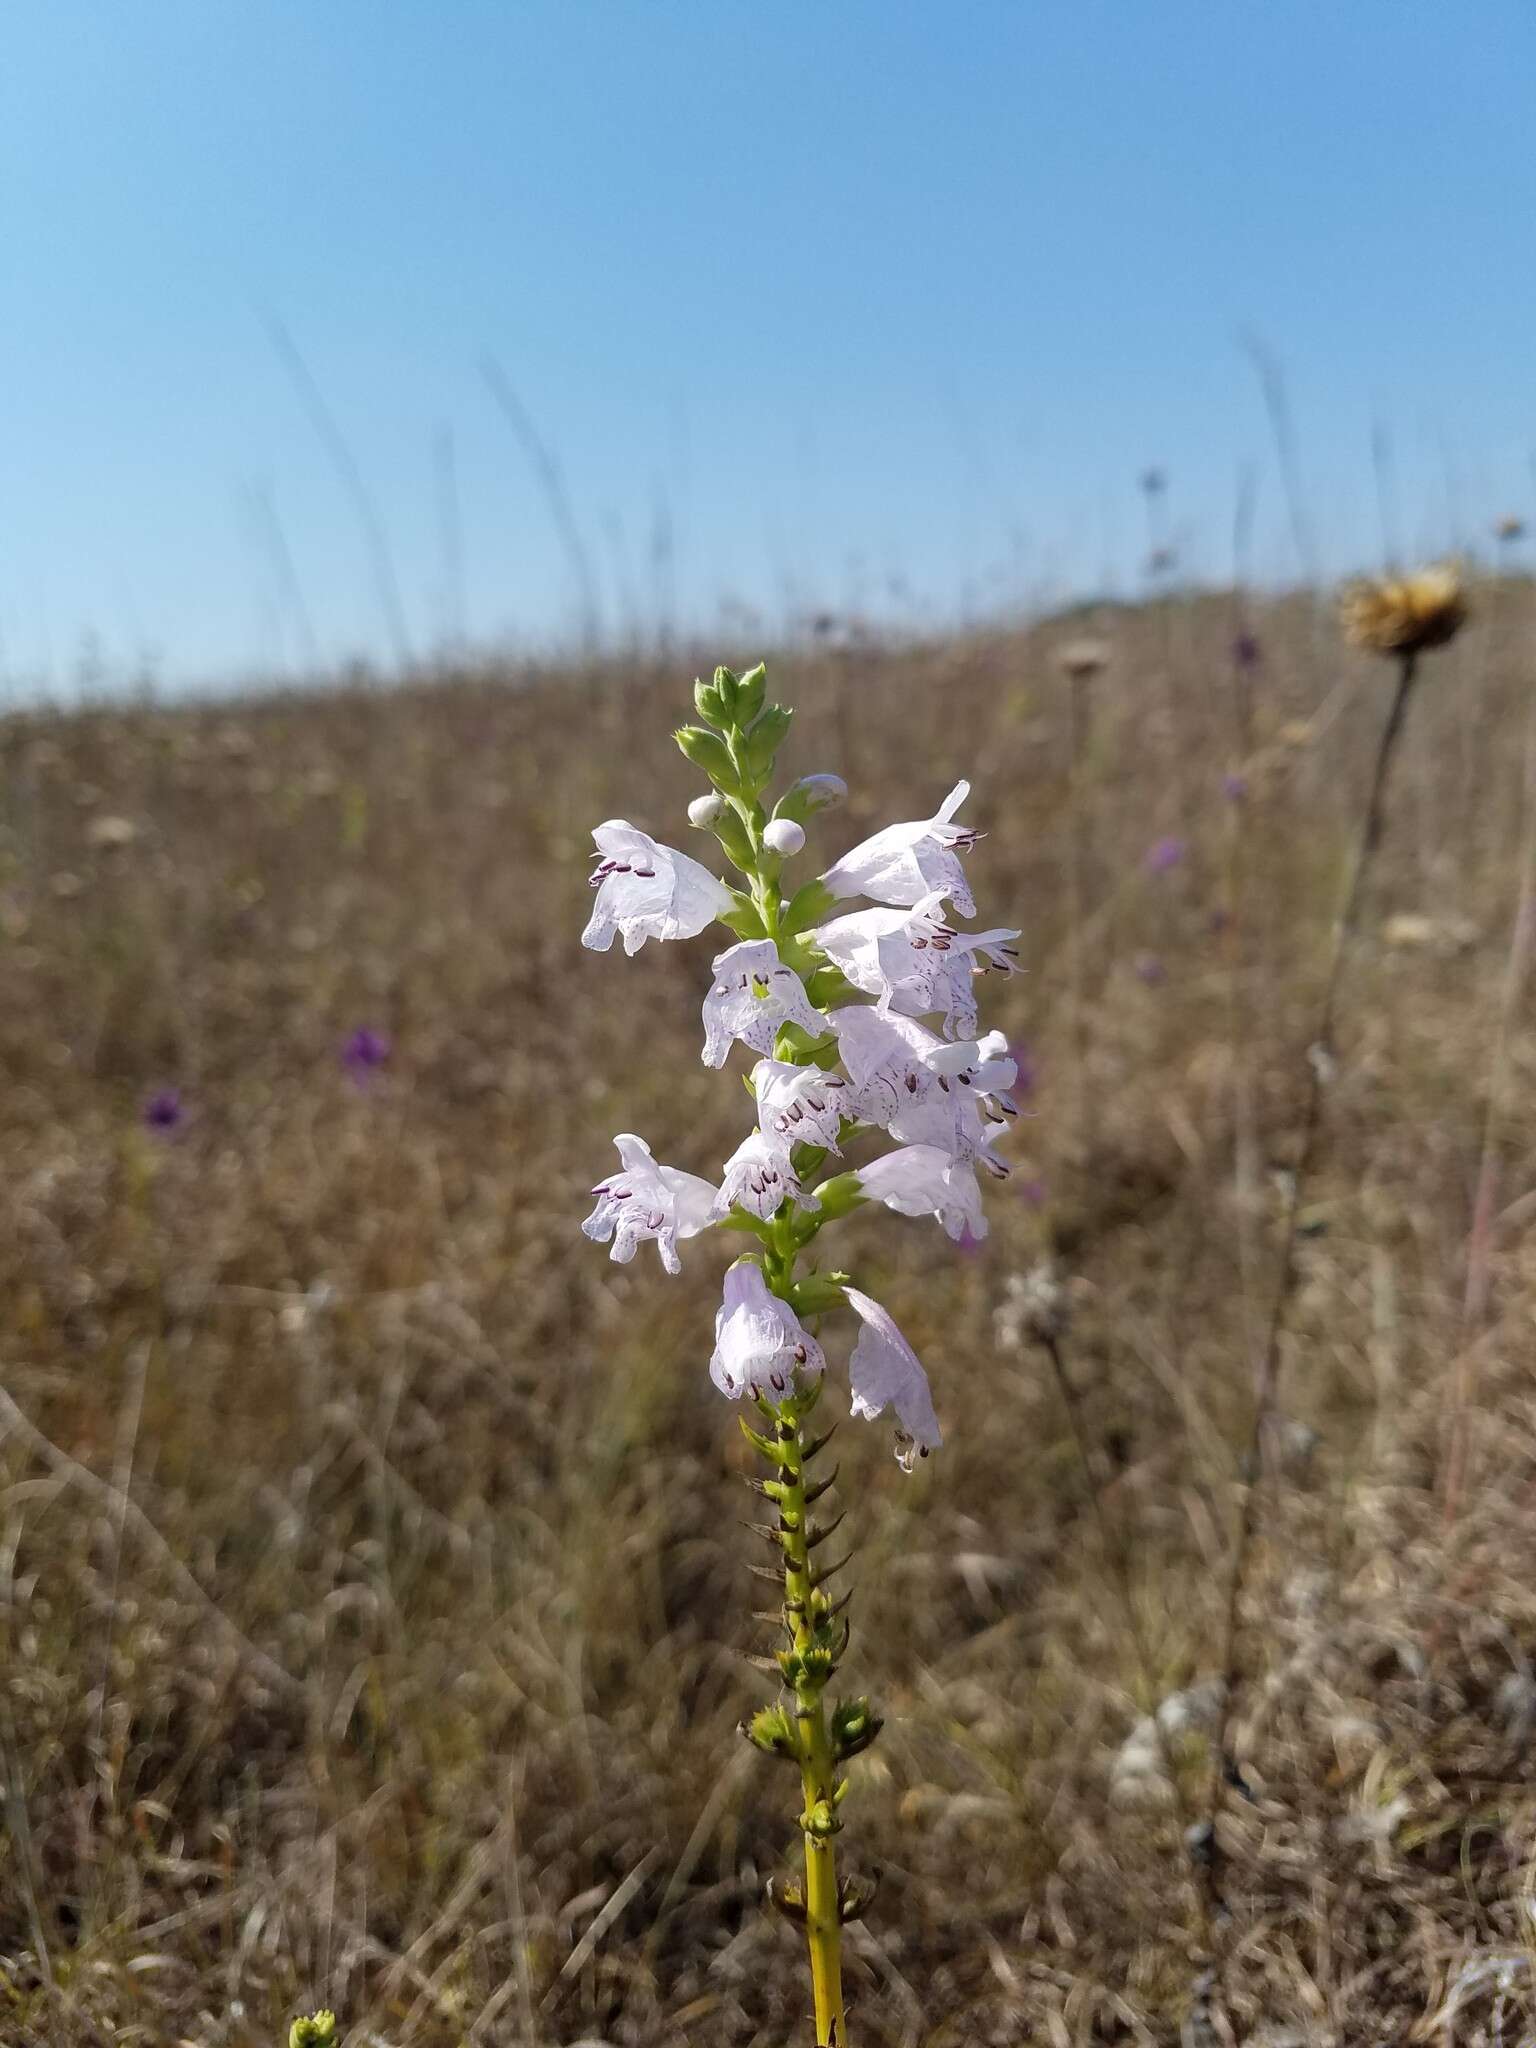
373 1613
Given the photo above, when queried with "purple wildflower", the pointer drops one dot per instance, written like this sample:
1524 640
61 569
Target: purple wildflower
1028 1069
1234 788
1035 1193
1164 855
363 1053
1150 969
163 1110
1246 651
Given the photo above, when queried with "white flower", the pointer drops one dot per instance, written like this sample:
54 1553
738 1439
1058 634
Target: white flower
800 1105
704 810
914 961
646 1200
783 835
758 1177
905 863
923 1091
884 1372
753 993
759 1344
922 1180
646 891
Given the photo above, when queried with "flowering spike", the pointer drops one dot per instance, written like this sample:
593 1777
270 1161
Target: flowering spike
831 1005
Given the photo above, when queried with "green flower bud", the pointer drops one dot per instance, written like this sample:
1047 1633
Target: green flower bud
808 906
317 2031
817 1294
727 685
708 751
821 1820
840 1196
810 794
855 1724
772 1731
709 704
749 694
764 741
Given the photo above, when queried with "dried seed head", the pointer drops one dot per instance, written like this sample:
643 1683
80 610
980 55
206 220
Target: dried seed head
1080 659
1405 614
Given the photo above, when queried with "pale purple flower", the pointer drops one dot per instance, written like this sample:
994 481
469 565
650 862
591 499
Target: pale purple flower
1164 855
905 863
647 891
647 1201
923 1180
1150 970
1234 788
915 962
885 1372
759 1178
163 1111
1035 1193
921 1090
759 1342
752 994
800 1105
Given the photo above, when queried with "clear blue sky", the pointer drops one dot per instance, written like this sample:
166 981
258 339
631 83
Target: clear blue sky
876 304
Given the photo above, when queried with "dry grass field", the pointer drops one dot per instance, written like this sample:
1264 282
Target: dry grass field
373 1614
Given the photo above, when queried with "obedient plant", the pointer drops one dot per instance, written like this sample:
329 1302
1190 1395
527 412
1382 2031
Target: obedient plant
832 1071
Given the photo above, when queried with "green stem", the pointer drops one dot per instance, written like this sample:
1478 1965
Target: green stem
807 1613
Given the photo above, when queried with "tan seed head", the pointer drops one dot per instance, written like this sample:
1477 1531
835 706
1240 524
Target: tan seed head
1405 614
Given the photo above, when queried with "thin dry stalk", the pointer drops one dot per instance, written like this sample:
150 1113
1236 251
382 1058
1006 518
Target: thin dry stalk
1321 1063
1474 1306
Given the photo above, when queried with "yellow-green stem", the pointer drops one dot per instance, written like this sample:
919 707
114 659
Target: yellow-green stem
818 1774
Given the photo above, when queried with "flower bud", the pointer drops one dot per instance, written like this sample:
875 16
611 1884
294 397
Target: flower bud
704 810
749 694
708 751
772 1731
783 835
764 740
709 704
840 1195
855 1724
810 794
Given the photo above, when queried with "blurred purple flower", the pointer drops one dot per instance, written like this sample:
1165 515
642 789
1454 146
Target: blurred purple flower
1028 1069
363 1053
1246 651
1164 855
1150 970
968 1242
1234 788
163 1110
1035 1193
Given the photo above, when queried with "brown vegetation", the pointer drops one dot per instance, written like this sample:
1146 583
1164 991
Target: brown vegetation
373 1612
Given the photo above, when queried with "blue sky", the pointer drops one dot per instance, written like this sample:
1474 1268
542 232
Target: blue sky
872 306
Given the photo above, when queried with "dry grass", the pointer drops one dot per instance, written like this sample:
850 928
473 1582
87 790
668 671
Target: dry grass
372 1607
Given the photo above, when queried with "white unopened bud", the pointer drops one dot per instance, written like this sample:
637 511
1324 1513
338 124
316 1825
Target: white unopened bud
783 835
704 810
